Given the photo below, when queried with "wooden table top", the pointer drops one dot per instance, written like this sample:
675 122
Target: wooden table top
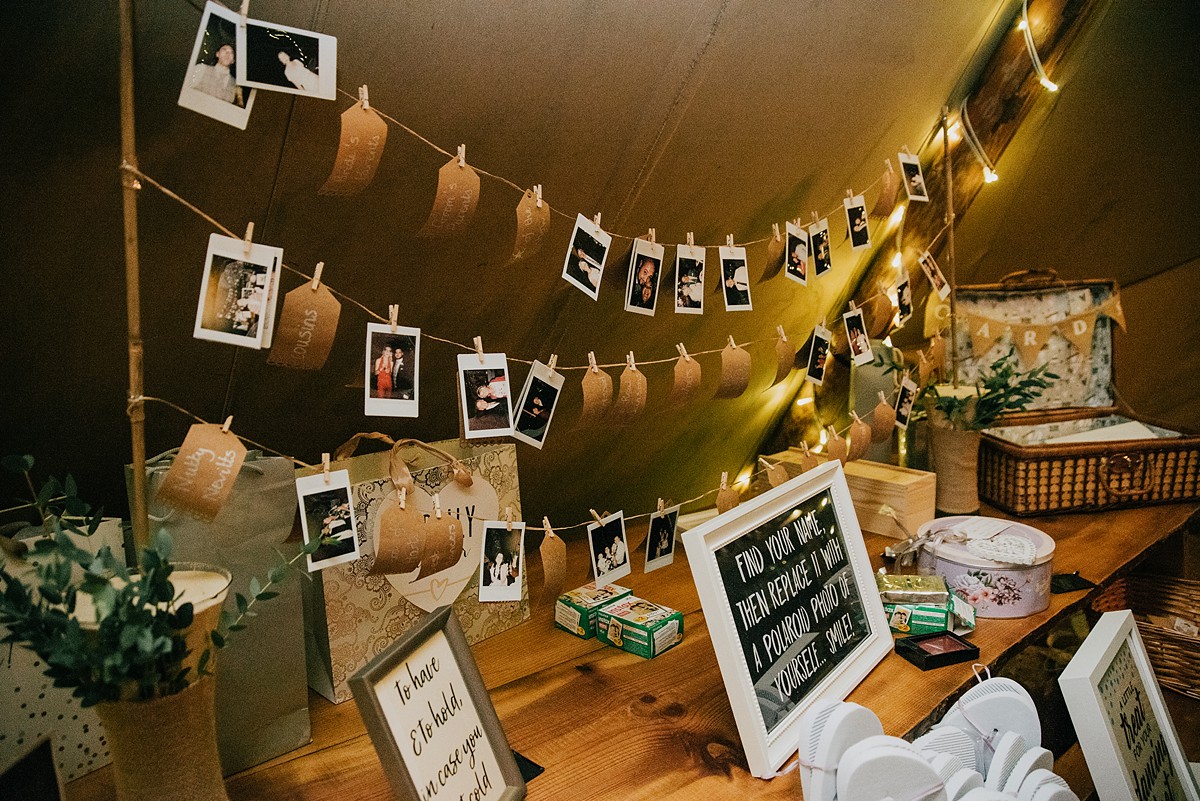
610 725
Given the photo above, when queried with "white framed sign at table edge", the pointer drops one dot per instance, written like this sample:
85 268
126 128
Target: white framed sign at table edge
1080 684
766 751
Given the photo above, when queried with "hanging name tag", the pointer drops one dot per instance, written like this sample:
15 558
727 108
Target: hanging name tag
454 205
361 146
306 328
597 397
203 474
533 221
774 257
631 398
786 354
687 381
735 372
554 567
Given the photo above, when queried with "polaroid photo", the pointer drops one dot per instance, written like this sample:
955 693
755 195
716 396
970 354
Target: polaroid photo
660 542
796 265
904 302
818 355
283 59
535 409
645 269
934 273
735 279
905 398
584 264
856 334
327 513
392 371
483 392
689 279
610 549
818 246
236 292
210 86
914 178
501 561
856 221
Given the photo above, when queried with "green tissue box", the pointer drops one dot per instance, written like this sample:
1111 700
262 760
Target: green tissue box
639 627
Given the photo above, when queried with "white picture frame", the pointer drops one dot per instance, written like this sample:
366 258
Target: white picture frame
858 226
796 253
933 274
1120 717
502 561
661 538
914 177
820 250
237 292
808 518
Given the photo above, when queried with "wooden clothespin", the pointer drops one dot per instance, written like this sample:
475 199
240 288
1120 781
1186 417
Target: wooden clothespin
683 352
403 496
363 97
691 239
592 362
325 466
462 155
781 332
650 236
393 313
248 240
732 344
316 282
437 505
596 219
225 426
850 193
882 397
816 218
553 362
630 362
479 348
775 231
537 191
661 506
508 517
852 306
729 241
766 465
596 516
547 527
725 480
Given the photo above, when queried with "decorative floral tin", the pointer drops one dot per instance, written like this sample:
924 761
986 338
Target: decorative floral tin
996 589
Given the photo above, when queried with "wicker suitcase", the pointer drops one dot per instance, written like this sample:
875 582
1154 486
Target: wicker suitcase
1040 461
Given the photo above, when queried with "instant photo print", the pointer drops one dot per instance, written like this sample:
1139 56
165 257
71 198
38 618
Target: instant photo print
818 354
392 376
584 265
934 273
210 86
818 242
914 178
905 397
609 548
856 334
689 279
237 292
856 222
483 393
660 542
282 59
535 409
501 561
796 257
645 270
904 304
327 513
735 279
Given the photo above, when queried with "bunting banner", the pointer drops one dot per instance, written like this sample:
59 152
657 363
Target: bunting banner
1029 338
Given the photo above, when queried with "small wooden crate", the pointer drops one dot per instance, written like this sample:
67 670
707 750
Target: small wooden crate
872 484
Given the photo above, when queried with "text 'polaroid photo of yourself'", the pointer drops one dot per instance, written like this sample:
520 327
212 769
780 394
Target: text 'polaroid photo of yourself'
689 279
914 178
660 542
856 333
393 359
856 221
645 269
326 513
210 86
818 355
735 279
818 236
796 264
501 561
610 549
904 402
535 409
237 292
483 392
584 265
934 274
282 59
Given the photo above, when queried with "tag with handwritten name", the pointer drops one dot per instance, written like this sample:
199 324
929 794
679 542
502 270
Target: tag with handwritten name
361 146
597 397
687 381
204 471
786 354
306 328
735 372
533 221
454 204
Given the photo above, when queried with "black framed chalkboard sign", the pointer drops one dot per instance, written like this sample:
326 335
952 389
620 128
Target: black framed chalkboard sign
791 605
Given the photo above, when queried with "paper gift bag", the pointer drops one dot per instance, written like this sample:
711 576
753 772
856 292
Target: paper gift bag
262 694
352 614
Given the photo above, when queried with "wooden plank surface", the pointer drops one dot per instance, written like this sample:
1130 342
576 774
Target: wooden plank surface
610 725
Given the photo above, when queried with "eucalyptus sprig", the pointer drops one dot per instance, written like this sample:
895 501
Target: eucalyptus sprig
1001 388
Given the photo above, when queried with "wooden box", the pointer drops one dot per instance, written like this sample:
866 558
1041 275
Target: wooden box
873 484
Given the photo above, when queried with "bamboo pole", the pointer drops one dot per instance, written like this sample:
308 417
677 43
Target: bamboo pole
950 247
133 311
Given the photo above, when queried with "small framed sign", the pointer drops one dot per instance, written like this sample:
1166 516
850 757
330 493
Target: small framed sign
431 719
1124 728
791 605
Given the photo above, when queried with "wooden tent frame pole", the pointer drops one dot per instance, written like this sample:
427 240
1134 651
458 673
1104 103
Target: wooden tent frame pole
950 260
133 303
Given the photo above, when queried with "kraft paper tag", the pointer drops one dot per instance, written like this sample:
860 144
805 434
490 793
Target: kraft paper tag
808 459
631 399
203 474
860 439
454 204
735 372
532 225
443 544
878 314
401 541
889 187
597 397
727 498
883 420
837 447
306 328
554 567
361 146
777 474
775 248
787 359
687 381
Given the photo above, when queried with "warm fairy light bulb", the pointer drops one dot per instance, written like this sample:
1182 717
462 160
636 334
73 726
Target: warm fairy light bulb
897 215
990 176
743 479
896 260
1022 25
954 133
888 341
824 437
1050 85
804 401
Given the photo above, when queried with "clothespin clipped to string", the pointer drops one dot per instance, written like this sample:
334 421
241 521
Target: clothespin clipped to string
537 191
725 479
364 98
403 496
683 352
850 193
650 236
781 332
325 466
691 239
729 240
437 505
596 219
553 362
853 307
316 282
629 361
508 517
393 313
904 150
479 348
225 426
592 362
462 155
248 240
547 527
662 506
732 344
816 217
775 231
596 516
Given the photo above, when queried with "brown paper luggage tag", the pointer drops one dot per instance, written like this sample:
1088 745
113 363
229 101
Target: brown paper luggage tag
533 221
360 148
597 394
860 439
456 199
307 326
775 248
889 188
777 474
786 354
202 476
687 379
808 459
883 420
735 371
631 398
554 565
727 497
837 447
401 541
443 542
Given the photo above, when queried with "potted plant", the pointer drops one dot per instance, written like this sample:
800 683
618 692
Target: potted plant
956 416
137 643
